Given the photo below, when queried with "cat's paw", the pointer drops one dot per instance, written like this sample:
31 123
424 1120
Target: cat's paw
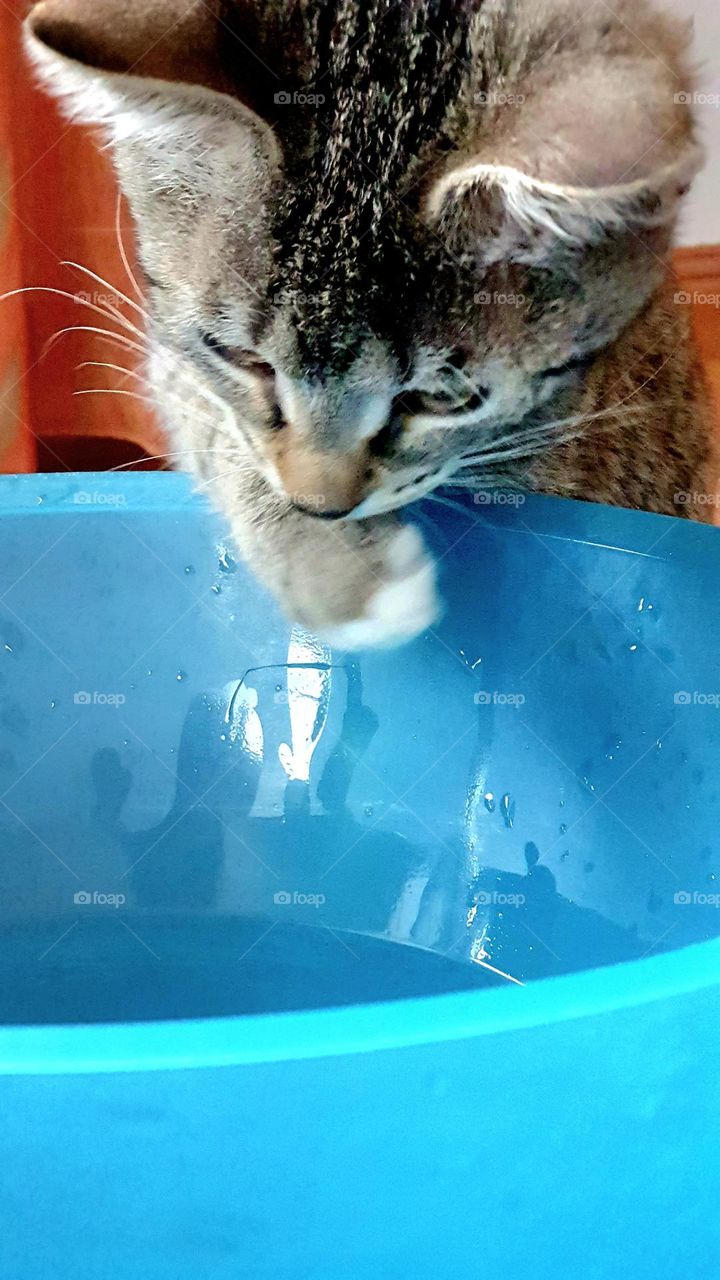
403 603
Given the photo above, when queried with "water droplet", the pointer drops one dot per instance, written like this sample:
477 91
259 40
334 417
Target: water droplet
181 675
563 828
53 705
507 805
227 561
216 589
368 811
189 570
149 671
562 804
564 856
223 737
633 648
489 799
9 648
641 605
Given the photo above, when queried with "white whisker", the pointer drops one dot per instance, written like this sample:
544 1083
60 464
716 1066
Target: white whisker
178 453
107 313
106 334
114 391
103 364
106 284
123 255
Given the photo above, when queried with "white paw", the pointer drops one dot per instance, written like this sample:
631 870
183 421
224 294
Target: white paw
402 607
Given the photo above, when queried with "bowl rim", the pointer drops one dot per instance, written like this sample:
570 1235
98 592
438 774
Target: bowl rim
253 1039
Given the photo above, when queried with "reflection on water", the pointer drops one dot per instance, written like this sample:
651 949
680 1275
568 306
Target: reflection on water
270 822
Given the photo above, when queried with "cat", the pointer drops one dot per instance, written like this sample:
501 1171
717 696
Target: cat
393 247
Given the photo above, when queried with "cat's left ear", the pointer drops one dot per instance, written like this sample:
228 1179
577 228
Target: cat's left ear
151 70
572 161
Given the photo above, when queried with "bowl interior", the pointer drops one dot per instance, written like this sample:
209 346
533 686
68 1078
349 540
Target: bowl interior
206 811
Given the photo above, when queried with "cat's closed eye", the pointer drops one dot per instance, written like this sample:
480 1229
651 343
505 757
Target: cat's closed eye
577 364
238 356
444 405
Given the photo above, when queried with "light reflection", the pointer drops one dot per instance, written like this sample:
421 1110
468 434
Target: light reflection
308 697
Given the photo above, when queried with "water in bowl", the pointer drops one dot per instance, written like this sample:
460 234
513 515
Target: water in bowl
130 969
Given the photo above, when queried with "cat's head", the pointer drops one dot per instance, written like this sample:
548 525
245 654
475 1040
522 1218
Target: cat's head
384 237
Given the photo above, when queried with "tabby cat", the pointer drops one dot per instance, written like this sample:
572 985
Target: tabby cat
396 245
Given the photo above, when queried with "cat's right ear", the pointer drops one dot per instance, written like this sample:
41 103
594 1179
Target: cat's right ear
151 70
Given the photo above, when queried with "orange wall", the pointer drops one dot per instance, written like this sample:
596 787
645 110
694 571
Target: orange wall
57 202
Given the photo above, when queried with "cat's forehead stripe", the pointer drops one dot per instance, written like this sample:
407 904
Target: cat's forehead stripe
346 268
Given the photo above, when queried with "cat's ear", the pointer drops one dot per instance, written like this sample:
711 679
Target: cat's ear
572 161
149 68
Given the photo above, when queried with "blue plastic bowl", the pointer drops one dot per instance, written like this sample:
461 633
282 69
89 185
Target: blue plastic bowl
336 966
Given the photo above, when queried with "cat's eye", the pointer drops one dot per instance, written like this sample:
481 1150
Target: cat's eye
238 357
576 364
441 404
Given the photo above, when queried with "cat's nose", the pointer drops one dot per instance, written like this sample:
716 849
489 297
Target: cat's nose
326 485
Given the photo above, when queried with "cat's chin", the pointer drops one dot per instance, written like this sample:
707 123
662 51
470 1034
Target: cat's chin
405 604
